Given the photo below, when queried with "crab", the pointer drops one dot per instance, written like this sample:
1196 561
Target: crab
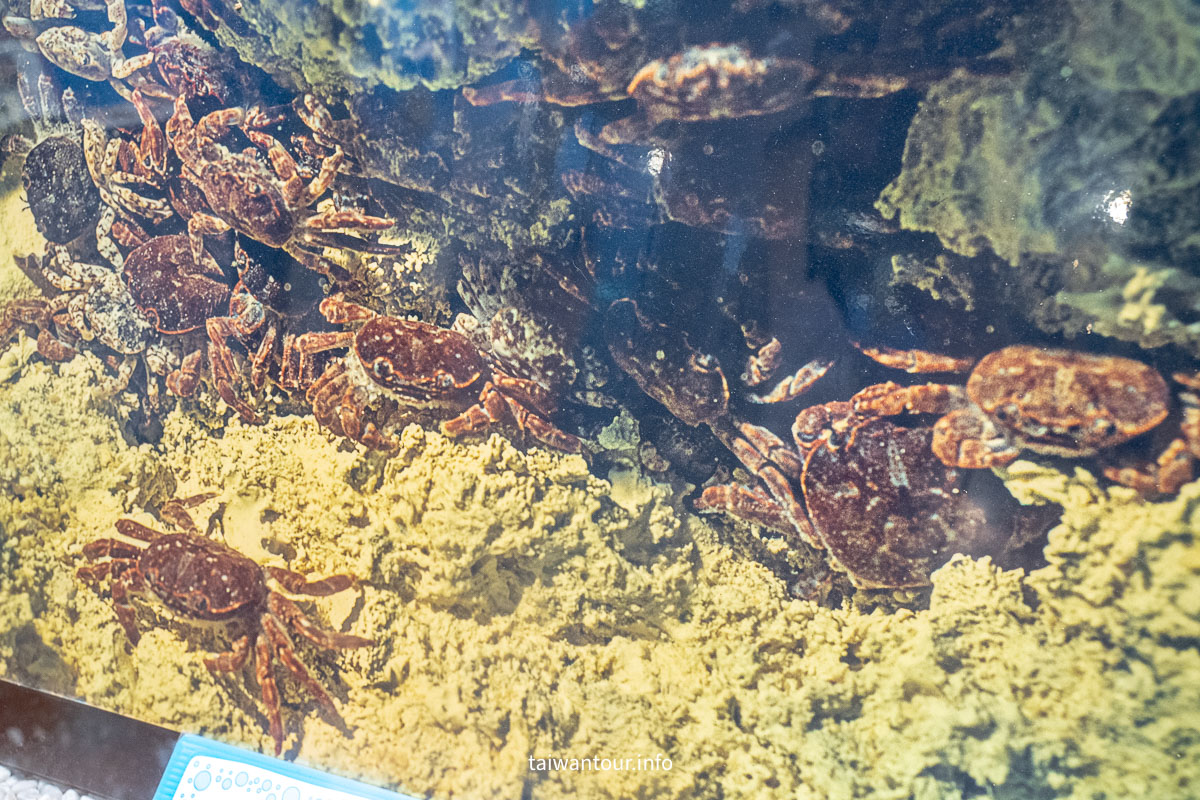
267 294
1047 401
62 198
93 304
93 56
532 313
874 497
397 361
691 384
44 315
725 81
117 165
269 205
187 65
204 580
179 295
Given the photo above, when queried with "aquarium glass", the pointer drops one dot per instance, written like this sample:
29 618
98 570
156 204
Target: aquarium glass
612 398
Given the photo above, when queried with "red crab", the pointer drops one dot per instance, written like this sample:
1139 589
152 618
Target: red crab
270 205
202 579
874 497
1048 401
396 361
178 295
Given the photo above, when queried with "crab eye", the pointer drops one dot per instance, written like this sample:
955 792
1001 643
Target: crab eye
382 368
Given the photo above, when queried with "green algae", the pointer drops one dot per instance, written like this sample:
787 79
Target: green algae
338 48
1072 168
968 172
1143 303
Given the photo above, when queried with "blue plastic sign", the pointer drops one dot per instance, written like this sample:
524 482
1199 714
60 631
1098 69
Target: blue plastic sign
201 769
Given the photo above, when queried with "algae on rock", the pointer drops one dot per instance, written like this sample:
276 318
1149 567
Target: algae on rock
338 49
521 613
1085 155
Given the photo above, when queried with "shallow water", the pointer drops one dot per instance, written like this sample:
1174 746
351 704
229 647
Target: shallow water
637 222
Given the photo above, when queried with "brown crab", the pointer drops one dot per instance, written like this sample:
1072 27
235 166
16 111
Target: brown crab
691 384
413 364
179 295
202 579
874 496
85 303
1048 401
94 56
117 166
270 205
187 65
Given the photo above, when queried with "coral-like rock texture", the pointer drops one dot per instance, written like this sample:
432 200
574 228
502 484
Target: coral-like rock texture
526 609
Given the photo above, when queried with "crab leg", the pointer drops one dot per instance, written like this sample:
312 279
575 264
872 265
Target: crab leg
258 361
765 455
175 511
298 353
285 167
95 573
346 218
890 399
182 381
153 147
104 238
971 441
752 505
762 363
200 224
494 407
324 179
350 418
338 310
263 656
284 651
114 548
915 360
225 378
1171 471
796 385
325 396
290 613
297 583
232 660
126 577
128 581
120 24
136 530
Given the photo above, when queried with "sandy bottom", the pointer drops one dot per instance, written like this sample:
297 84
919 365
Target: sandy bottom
525 609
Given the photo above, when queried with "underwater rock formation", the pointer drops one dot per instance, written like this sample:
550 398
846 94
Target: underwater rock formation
339 48
1085 157
528 605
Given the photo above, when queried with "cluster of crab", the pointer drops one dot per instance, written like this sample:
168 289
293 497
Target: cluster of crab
211 262
215 267
884 498
211 238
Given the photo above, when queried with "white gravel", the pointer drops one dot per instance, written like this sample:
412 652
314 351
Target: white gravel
16 786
